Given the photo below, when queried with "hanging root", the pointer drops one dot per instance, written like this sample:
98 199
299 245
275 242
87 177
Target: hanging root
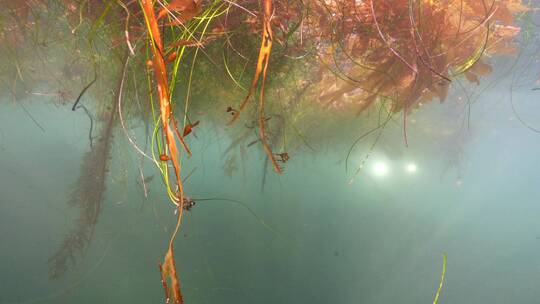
168 270
262 66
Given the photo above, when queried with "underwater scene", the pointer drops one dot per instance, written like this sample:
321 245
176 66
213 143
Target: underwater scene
269 151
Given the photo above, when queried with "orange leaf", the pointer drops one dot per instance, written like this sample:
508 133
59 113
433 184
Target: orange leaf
187 9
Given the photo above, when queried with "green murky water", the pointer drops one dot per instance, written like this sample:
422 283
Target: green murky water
464 186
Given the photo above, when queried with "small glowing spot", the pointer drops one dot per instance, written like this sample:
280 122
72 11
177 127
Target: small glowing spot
411 168
380 169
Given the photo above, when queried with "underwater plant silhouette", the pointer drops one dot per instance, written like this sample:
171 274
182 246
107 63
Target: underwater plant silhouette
88 195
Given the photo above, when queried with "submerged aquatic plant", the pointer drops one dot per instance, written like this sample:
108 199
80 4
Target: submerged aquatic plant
354 55
443 274
262 69
409 50
160 58
87 195
404 53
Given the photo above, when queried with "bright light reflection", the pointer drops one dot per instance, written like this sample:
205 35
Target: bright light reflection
380 169
411 168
